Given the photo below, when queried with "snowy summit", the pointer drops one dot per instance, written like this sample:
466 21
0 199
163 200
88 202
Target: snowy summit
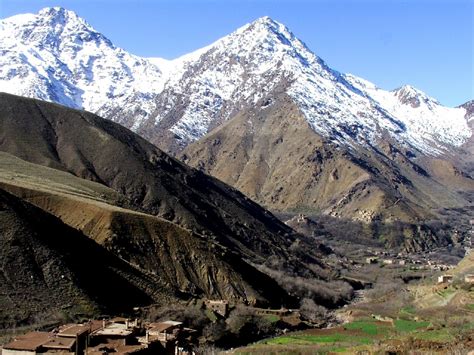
57 56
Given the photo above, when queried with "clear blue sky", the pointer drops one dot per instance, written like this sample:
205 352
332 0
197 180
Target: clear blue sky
425 43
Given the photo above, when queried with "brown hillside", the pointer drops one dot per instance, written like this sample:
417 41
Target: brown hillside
273 156
44 269
183 263
193 234
102 151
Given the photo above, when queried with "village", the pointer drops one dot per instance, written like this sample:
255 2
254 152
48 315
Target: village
124 336
428 260
121 335
413 261
117 335
434 259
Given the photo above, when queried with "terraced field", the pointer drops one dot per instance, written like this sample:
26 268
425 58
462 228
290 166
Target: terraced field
362 335
433 318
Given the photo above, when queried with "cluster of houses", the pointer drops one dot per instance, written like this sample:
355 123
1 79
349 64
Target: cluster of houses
442 279
124 336
97 337
414 261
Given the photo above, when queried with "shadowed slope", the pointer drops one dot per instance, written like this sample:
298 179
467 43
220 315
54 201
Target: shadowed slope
116 188
99 150
184 263
47 265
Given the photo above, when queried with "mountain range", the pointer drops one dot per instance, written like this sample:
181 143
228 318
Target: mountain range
57 56
260 111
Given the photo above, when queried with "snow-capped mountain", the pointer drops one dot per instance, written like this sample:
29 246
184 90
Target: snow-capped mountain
56 56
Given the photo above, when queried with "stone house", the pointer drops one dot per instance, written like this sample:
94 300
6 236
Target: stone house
220 307
445 279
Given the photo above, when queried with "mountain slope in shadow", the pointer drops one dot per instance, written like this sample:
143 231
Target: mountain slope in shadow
47 265
99 150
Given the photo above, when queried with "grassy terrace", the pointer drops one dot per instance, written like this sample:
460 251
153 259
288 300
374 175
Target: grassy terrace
428 318
402 325
365 334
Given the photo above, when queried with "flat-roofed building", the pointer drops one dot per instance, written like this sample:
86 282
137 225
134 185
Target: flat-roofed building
78 332
112 333
27 344
445 279
164 331
61 345
469 278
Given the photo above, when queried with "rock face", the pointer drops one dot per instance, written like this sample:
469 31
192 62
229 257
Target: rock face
193 235
273 156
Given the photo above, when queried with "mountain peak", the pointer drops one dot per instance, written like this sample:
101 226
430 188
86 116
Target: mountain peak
410 89
269 25
45 28
409 95
266 20
60 15
265 35
54 11
54 28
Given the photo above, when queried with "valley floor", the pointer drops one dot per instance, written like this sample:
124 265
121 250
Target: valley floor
426 318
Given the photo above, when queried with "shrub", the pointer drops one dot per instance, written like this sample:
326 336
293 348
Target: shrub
312 312
207 349
192 316
213 332
327 293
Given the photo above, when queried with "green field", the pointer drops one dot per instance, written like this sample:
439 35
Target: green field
318 339
271 318
409 325
367 327
356 334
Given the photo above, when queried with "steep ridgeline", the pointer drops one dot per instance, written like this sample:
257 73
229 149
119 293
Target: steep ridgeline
216 234
466 154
